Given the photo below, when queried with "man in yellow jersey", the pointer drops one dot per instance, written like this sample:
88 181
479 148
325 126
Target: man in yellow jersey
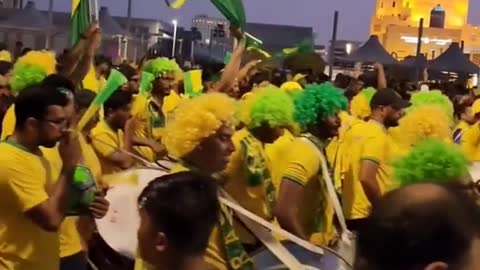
470 137
200 136
32 206
177 239
72 256
265 114
303 205
372 153
112 138
149 108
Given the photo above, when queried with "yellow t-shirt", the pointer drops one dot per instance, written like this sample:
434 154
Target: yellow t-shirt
470 141
215 255
70 240
8 124
315 212
25 182
369 141
106 141
142 112
337 150
248 160
276 153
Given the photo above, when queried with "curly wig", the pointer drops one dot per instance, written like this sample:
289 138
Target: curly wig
360 104
427 122
6 56
32 68
318 102
269 105
431 161
434 97
25 75
160 66
43 59
291 86
195 120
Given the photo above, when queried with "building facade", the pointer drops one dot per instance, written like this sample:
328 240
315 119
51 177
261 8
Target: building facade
396 23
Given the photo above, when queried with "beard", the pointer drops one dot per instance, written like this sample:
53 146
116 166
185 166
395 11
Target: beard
390 123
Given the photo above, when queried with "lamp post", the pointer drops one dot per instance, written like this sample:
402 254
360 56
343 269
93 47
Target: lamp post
175 26
50 25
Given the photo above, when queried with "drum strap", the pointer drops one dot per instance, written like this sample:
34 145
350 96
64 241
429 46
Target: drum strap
267 238
346 235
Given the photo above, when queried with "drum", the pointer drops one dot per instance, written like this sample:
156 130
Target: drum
119 227
265 260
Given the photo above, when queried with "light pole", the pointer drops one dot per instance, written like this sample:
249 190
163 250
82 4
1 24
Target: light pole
175 26
48 38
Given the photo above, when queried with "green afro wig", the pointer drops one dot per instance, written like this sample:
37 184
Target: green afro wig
268 105
431 161
360 104
434 97
26 75
160 66
318 102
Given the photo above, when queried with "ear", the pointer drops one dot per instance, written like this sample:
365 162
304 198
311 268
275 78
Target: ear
161 243
437 266
31 122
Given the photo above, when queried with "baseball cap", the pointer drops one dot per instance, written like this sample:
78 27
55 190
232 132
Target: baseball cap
388 97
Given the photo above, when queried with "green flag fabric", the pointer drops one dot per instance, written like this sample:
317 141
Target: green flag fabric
233 10
80 19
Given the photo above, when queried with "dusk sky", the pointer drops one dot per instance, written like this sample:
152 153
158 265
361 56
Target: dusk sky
354 14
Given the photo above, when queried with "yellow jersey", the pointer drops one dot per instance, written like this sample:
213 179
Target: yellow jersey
337 150
315 212
369 141
249 176
25 182
276 153
106 142
8 124
70 240
469 138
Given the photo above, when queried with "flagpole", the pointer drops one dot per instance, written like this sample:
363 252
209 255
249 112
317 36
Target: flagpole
95 8
50 25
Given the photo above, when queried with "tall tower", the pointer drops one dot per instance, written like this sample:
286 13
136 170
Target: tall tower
456 11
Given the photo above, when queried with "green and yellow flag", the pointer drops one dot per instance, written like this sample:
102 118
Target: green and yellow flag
80 19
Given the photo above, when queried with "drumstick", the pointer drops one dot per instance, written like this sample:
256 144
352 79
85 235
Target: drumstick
135 156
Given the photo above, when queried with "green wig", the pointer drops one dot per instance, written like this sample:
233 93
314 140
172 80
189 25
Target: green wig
160 66
318 102
434 97
26 75
431 161
268 105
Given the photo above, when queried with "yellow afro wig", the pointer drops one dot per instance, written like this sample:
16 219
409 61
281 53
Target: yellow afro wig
44 59
195 120
291 86
360 104
6 56
426 122
32 68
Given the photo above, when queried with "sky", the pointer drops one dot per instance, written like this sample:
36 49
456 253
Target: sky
354 22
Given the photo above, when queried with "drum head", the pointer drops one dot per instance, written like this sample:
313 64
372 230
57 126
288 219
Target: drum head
119 227
265 260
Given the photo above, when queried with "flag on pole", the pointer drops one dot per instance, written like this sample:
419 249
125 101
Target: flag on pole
80 19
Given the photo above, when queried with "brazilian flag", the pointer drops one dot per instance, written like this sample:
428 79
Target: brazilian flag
80 19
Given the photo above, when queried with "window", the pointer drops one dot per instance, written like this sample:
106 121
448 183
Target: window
381 4
394 4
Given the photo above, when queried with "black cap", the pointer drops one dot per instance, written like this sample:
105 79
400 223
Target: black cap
388 97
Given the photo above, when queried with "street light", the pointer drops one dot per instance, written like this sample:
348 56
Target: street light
175 25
